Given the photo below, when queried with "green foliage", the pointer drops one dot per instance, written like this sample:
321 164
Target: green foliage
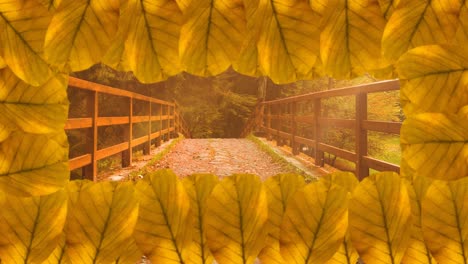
216 106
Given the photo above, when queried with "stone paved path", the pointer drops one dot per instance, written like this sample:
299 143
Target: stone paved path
221 157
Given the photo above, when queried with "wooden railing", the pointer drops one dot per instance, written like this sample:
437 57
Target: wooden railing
167 114
279 119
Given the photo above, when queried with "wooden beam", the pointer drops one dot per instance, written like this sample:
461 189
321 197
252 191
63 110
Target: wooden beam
305 141
109 151
79 162
78 123
95 87
380 165
382 86
113 120
382 126
362 170
127 155
337 122
345 154
90 171
319 158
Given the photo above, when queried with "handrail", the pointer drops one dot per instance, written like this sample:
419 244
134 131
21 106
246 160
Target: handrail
271 124
168 116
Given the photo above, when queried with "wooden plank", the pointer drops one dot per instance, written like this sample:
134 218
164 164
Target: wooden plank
112 120
81 161
337 122
382 126
155 134
345 154
380 165
284 135
382 86
140 119
86 85
77 123
139 141
309 119
106 152
305 141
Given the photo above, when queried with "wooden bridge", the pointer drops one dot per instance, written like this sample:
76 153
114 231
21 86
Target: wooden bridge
287 121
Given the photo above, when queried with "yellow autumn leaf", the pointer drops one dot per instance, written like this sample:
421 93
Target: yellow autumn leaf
387 7
235 218
280 189
417 23
183 4
50 4
24 108
164 228
434 79
4 132
23 26
31 227
288 42
346 254
130 253
344 179
435 145
2 63
314 224
199 187
211 36
115 56
247 63
153 40
444 221
58 255
350 40
461 35
379 218
100 222
417 251
33 165
80 33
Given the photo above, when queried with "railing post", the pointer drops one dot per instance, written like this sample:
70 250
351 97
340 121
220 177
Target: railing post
362 171
317 132
147 148
158 140
90 171
176 119
167 135
294 147
268 122
279 140
127 154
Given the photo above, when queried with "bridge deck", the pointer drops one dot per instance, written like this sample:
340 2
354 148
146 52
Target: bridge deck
222 157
